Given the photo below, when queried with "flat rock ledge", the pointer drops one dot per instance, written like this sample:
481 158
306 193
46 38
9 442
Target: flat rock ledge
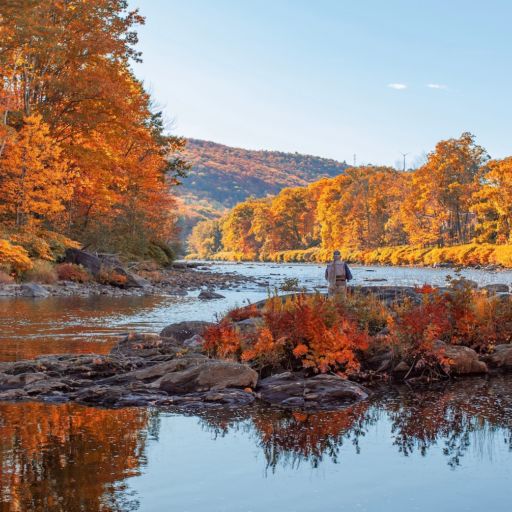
166 371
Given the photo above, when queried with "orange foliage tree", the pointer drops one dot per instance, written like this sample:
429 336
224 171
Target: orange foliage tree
73 114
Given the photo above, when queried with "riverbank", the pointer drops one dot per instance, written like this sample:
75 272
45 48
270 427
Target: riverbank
178 280
488 256
296 352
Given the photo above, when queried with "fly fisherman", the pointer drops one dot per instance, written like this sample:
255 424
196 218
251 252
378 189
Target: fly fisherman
337 274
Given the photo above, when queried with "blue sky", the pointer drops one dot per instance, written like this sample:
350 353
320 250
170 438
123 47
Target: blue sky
332 78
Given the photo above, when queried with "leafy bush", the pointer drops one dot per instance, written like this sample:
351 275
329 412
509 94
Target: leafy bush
14 258
290 284
320 334
310 332
5 278
111 277
41 272
72 272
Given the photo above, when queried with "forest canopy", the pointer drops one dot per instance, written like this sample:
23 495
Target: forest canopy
458 198
83 152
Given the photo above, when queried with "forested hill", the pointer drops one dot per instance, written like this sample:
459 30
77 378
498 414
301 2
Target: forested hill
222 176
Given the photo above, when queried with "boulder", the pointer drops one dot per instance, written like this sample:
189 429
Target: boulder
196 342
501 358
497 288
89 261
463 360
250 324
209 295
33 290
182 331
132 280
20 380
205 375
290 390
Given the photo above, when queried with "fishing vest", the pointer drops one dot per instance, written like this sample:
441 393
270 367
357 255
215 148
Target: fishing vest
336 273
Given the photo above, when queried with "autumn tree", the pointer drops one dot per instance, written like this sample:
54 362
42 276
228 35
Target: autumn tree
206 237
493 203
69 62
34 176
438 209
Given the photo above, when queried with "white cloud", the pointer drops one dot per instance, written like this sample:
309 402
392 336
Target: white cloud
437 86
398 86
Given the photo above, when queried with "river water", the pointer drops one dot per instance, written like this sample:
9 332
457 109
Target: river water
447 449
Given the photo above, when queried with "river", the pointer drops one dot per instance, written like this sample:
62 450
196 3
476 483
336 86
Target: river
445 449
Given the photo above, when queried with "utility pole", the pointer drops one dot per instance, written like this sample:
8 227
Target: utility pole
354 159
404 155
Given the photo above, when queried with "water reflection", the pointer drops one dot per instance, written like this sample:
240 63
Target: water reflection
68 457
73 458
459 416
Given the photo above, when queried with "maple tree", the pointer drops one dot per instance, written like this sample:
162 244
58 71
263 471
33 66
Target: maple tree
82 151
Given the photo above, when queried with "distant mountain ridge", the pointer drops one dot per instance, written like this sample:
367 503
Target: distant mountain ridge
222 176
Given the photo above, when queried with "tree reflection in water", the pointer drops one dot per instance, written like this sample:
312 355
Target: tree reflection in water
460 416
73 458
69 457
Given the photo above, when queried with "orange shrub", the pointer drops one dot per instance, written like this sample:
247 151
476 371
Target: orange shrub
41 272
5 278
311 332
111 277
72 272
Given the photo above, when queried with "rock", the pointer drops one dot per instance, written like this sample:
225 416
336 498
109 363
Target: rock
33 290
381 360
20 380
182 331
250 324
320 392
463 360
501 358
89 261
401 368
209 295
8 290
457 284
207 374
132 280
196 342
228 397
497 288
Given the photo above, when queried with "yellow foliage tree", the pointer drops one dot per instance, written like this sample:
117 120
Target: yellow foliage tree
34 176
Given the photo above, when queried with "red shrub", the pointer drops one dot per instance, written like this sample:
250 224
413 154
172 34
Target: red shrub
72 272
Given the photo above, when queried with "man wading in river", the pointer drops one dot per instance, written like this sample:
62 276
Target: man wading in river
337 274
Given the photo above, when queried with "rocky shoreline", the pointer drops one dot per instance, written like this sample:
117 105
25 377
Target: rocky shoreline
171 370
167 370
180 279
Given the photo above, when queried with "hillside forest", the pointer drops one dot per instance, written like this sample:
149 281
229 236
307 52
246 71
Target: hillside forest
84 159
456 208
221 176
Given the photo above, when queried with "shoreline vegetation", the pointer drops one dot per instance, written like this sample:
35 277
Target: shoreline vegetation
85 157
299 352
468 255
454 209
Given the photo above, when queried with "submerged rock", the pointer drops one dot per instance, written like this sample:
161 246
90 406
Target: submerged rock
209 295
497 288
320 392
